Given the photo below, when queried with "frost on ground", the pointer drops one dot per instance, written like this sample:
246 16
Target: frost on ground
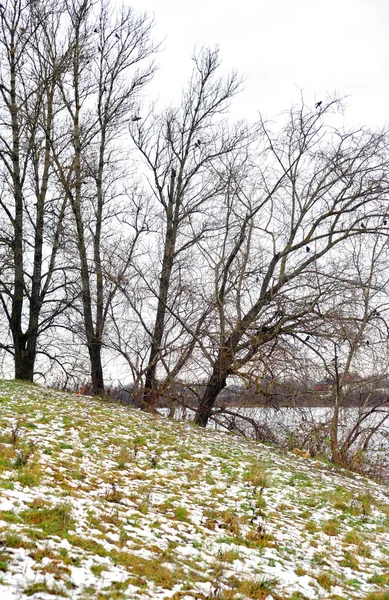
99 501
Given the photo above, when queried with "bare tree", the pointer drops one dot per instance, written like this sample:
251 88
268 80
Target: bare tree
182 149
32 293
314 189
108 65
352 345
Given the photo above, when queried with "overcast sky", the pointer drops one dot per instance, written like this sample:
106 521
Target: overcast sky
281 46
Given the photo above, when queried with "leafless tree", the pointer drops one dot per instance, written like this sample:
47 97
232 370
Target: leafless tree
313 189
32 290
352 345
109 63
183 150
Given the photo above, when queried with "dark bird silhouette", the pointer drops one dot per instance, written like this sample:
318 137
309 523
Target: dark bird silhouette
308 249
117 36
363 226
96 30
136 118
99 48
307 338
385 221
318 104
367 343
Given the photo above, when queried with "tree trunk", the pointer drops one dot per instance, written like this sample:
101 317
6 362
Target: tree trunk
149 394
25 354
334 428
93 338
215 385
96 368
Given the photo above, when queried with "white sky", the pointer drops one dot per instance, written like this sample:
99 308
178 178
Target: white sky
280 46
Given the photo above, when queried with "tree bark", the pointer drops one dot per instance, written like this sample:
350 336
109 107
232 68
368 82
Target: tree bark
25 354
216 383
96 368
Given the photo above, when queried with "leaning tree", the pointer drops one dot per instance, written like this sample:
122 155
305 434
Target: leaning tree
313 188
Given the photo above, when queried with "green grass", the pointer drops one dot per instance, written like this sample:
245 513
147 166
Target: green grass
53 520
35 588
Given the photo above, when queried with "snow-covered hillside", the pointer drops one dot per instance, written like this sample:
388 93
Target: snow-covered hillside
98 501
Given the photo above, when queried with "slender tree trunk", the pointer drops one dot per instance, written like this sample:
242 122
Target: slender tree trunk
93 340
334 427
22 369
164 284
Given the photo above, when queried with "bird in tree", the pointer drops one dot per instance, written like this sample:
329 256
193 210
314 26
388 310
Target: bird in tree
136 118
385 222
117 36
308 249
363 226
318 104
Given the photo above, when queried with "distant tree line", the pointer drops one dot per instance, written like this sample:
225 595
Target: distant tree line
192 247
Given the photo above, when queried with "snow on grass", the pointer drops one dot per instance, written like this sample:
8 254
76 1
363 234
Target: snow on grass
99 501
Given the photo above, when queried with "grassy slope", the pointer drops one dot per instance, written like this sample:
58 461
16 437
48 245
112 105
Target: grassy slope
97 501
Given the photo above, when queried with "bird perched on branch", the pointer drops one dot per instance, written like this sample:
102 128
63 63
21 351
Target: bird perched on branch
363 226
117 36
308 249
318 104
136 118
